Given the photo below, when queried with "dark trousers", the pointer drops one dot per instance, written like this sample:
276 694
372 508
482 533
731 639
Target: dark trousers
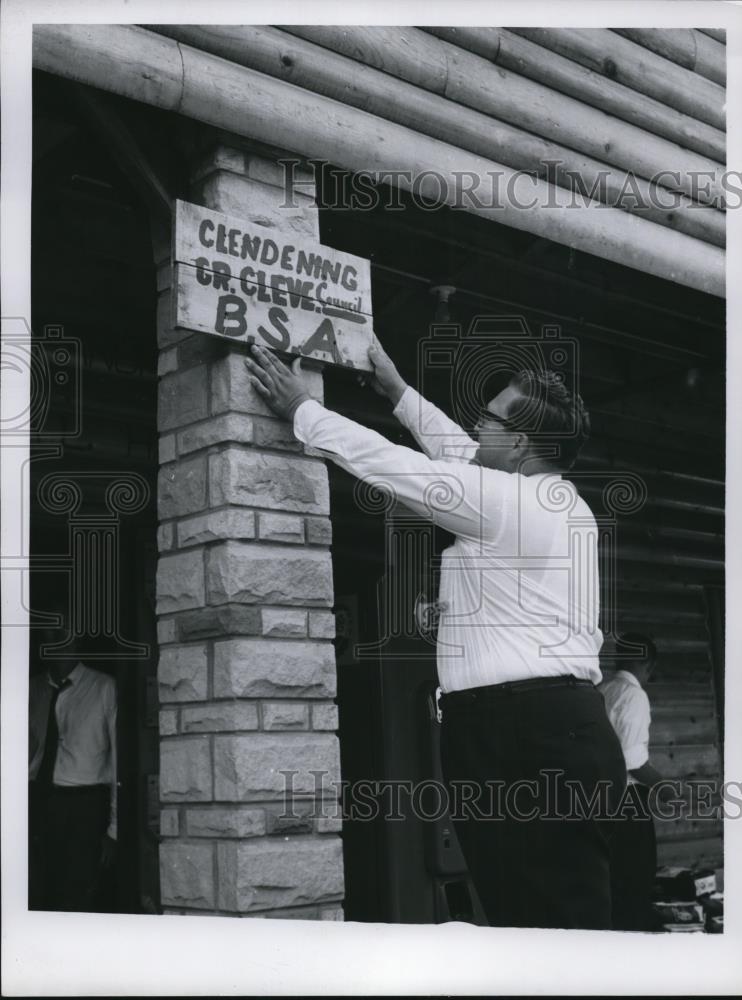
66 828
537 857
633 866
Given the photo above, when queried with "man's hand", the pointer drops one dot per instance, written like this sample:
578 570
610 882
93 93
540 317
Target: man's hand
280 386
107 851
385 379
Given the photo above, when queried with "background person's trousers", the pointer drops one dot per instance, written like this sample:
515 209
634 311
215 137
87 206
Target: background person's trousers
633 867
538 872
66 828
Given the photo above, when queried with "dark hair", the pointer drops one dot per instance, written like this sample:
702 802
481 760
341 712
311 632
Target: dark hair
638 639
552 411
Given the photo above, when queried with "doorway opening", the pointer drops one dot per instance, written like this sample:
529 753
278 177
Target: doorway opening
92 500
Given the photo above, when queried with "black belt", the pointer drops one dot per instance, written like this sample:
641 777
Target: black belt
513 687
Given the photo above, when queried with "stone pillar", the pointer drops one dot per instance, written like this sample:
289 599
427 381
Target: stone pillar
244 591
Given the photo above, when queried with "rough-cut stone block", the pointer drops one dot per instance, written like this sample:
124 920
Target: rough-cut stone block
322 624
296 181
285 715
219 822
200 350
180 582
220 716
226 619
187 875
270 668
227 427
169 823
278 434
182 398
167 334
288 913
164 275
166 631
248 767
185 770
249 478
232 390
283 622
268 873
181 487
219 158
318 530
167 452
328 824
168 722
167 361
260 573
280 528
331 913
279 824
182 673
325 716
216 525
260 204
165 537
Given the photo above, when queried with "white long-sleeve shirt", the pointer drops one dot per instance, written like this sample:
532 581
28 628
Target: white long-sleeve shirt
86 718
521 580
627 706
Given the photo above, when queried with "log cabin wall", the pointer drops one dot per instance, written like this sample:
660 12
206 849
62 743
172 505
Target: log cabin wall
640 288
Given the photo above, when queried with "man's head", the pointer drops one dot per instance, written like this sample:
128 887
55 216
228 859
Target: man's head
534 413
640 655
57 650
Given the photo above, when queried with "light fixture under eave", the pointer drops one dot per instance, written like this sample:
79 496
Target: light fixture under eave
443 308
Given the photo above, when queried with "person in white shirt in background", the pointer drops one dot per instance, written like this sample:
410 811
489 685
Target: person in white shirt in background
633 841
72 781
518 639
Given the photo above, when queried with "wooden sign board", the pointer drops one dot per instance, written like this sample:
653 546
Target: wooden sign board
249 283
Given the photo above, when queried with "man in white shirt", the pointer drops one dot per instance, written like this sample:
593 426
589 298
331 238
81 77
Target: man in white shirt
633 843
518 639
72 783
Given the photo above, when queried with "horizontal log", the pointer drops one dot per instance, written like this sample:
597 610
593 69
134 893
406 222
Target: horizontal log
325 72
687 761
718 34
215 91
567 77
654 605
622 60
641 574
682 560
684 46
687 331
678 674
703 853
677 728
475 83
688 829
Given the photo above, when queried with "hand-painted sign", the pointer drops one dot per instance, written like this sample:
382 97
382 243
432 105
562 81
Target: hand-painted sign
242 281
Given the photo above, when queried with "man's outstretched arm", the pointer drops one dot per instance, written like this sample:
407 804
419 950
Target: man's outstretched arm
438 435
460 498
